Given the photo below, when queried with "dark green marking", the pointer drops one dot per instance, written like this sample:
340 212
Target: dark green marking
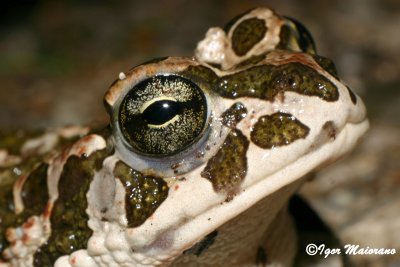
327 65
285 37
70 231
201 74
34 192
278 129
34 195
267 81
144 194
228 167
232 116
7 214
229 25
247 34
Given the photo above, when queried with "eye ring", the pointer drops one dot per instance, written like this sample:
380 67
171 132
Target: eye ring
162 115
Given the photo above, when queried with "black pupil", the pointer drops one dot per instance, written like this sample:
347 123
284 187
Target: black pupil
161 112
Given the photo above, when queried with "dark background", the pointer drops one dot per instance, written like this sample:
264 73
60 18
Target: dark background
57 59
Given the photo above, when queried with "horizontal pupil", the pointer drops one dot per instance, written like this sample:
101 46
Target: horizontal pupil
161 112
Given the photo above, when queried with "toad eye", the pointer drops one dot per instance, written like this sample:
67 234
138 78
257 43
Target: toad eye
162 115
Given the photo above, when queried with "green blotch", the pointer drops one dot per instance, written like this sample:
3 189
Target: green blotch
34 192
199 74
34 195
7 215
70 231
247 34
327 65
232 116
227 169
278 129
144 193
229 25
285 38
267 81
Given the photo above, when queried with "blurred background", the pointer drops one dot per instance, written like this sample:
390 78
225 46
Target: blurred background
57 59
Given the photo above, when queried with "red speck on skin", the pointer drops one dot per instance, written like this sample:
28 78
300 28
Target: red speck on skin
73 260
86 139
25 238
63 155
10 235
29 223
47 210
176 187
82 144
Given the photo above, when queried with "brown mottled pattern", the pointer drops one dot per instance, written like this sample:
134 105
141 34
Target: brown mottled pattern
228 167
70 231
247 34
233 115
144 194
278 129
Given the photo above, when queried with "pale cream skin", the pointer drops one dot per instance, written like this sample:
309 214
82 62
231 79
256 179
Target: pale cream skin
256 214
